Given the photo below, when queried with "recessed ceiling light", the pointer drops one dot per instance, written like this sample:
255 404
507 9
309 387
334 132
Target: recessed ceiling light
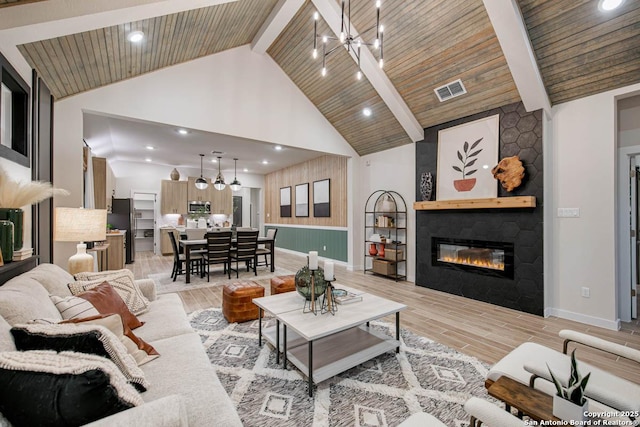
608 5
150 147
183 131
147 159
135 36
214 161
278 147
245 170
366 112
265 162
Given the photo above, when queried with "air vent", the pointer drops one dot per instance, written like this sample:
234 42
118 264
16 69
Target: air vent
450 90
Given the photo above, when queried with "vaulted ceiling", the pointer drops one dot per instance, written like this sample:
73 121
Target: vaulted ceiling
579 51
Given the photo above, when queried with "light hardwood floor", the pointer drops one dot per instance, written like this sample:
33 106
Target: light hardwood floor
483 330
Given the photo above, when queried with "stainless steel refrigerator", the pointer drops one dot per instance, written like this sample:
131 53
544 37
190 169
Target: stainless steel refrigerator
122 218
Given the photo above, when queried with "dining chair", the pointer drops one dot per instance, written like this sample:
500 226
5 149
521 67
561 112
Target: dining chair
263 250
218 251
245 250
180 259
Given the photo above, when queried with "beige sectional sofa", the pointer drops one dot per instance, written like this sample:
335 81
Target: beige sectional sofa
184 388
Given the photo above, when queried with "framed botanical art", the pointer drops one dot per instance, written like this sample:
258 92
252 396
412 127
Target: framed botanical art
466 154
285 202
302 200
321 198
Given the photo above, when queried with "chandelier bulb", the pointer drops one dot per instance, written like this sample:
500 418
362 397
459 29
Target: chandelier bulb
381 28
381 63
378 4
376 43
315 53
341 36
324 71
324 39
359 75
316 16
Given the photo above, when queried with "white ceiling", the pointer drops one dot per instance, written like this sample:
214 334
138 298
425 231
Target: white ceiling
126 140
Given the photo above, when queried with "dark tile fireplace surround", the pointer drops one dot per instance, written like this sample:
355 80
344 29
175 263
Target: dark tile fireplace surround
519 287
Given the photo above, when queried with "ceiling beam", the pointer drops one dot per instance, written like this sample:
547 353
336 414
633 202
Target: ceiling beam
513 37
331 13
279 18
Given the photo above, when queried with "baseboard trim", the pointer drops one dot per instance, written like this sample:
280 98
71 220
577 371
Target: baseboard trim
613 325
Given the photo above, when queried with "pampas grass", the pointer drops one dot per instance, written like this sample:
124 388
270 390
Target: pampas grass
14 194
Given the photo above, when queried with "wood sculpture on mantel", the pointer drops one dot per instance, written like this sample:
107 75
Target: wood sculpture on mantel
509 172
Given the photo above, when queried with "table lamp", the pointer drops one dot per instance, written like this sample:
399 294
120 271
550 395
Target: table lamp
80 225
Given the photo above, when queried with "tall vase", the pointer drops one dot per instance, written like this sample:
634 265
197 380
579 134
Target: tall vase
381 250
372 250
6 240
175 175
15 216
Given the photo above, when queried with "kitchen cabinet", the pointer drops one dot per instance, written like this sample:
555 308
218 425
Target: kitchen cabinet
99 165
174 197
116 250
193 194
222 201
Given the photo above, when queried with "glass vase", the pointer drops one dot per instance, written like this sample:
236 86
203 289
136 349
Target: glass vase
15 216
6 240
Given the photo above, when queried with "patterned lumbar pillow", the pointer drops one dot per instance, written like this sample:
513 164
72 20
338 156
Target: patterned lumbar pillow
73 307
61 389
121 280
89 339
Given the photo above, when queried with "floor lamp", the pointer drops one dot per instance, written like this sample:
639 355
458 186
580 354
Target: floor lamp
80 225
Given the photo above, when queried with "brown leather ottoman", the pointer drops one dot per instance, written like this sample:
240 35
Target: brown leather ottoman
237 305
282 284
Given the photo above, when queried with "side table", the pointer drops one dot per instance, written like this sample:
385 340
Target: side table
528 401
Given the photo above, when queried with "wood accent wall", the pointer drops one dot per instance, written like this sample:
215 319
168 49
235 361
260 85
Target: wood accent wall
332 167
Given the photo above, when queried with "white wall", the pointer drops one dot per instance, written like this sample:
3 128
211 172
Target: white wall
235 92
394 170
584 177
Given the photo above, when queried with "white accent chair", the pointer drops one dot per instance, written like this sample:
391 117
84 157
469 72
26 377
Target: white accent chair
488 414
605 391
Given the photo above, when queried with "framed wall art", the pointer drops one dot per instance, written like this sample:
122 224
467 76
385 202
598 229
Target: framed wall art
321 198
302 200
285 202
466 154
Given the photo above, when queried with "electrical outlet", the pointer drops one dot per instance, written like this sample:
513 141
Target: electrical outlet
324 248
586 292
568 212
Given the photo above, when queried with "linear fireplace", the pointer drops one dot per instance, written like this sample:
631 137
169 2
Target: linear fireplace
476 256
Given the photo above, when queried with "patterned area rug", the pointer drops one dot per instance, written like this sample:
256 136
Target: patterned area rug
425 376
165 284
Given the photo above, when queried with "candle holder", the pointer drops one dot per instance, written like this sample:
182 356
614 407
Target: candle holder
328 302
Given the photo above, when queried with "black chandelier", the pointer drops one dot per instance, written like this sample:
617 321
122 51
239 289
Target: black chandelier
351 42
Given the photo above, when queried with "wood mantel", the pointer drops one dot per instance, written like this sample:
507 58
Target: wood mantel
492 203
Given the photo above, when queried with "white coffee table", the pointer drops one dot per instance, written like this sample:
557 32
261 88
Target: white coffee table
324 345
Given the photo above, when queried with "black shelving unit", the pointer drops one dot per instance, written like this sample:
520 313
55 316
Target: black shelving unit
386 215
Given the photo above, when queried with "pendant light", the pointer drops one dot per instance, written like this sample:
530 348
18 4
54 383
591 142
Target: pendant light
219 183
235 185
201 183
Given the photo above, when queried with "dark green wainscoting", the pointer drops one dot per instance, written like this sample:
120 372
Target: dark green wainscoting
313 239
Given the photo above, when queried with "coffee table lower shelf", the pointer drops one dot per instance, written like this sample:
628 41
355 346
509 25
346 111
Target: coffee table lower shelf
335 353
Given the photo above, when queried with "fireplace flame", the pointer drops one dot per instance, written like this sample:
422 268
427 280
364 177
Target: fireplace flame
474 262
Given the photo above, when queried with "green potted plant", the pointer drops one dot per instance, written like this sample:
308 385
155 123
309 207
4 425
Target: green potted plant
569 403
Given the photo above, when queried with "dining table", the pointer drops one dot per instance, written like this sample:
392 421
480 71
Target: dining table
194 244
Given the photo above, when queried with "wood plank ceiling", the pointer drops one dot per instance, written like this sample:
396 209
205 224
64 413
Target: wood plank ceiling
338 95
84 61
580 50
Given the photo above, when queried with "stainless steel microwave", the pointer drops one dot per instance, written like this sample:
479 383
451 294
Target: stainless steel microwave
199 207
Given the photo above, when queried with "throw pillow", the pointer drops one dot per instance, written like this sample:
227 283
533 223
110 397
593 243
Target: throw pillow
107 301
89 339
122 281
141 351
61 389
73 307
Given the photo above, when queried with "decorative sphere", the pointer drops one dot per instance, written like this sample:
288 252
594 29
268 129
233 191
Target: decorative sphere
303 282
